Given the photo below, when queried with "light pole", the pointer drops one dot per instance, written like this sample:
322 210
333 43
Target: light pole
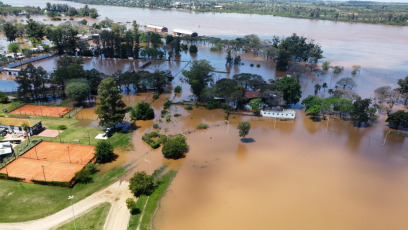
150 164
44 173
69 156
73 214
386 135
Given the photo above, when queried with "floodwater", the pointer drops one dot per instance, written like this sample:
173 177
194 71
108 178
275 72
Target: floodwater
289 175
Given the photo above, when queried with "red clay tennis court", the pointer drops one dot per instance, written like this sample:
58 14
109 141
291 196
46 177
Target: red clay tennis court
42 110
50 161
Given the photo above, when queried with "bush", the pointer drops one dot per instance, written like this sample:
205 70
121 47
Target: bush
202 126
131 205
177 115
244 128
156 96
3 98
175 147
177 89
142 111
167 104
61 127
189 107
156 126
83 176
193 49
141 184
258 65
212 105
252 65
104 151
184 47
337 69
92 168
168 118
154 139
164 112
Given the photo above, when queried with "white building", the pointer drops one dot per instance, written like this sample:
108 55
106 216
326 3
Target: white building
182 33
284 114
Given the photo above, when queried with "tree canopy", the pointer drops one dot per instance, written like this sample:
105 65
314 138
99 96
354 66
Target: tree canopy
111 109
291 90
244 128
141 184
199 76
78 90
104 151
397 119
175 147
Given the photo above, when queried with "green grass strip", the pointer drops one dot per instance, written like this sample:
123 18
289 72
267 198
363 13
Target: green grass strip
94 219
25 201
134 219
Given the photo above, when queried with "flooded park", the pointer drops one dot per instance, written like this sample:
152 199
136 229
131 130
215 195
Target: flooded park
300 174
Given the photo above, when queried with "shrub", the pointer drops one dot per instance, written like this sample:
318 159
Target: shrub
252 65
104 151
184 47
212 105
164 112
177 115
131 205
189 107
167 104
83 176
202 126
337 69
258 65
244 128
141 184
153 139
156 126
142 111
61 127
92 168
156 96
193 49
177 89
3 98
168 118
163 138
175 147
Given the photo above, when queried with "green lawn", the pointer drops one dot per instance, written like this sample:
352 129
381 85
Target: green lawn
24 201
152 203
94 219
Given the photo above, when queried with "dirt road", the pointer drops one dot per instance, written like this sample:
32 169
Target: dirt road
118 216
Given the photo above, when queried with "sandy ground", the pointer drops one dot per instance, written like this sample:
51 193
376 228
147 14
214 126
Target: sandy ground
118 216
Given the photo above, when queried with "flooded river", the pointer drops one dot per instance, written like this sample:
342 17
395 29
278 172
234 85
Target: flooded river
298 175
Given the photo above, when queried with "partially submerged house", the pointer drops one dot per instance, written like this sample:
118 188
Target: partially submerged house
279 113
15 125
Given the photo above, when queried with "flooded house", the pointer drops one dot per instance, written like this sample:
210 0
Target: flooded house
157 29
15 125
183 33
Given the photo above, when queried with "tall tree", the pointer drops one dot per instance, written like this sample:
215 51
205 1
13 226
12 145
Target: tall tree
111 109
360 112
399 118
10 31
35 30
403 83
290 89
199 76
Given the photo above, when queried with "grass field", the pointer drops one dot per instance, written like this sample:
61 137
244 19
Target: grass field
25 201
94 219
152 203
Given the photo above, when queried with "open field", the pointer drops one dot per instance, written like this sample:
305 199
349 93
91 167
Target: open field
26 201
41 110
50 161
94 219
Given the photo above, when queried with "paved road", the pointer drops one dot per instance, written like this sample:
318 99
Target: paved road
117 219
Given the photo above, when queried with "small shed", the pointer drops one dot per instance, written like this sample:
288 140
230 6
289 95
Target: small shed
182 33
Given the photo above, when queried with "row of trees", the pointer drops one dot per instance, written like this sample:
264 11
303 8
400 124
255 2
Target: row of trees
200 78
55 9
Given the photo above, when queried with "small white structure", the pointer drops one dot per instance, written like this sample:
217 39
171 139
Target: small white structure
182 33
6 150
10 71
284 114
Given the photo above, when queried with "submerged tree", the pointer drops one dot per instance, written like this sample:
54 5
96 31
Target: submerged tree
244 128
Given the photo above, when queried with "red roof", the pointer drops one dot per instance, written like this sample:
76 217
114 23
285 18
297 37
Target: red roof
252 94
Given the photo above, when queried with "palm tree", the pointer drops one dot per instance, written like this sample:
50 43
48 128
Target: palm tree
324 86
317 88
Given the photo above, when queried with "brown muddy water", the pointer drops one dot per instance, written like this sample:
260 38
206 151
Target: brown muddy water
298 175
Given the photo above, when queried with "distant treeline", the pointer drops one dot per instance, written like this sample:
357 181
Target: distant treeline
51 10
6 10
352 11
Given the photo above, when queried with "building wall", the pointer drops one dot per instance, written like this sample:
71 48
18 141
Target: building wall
278 114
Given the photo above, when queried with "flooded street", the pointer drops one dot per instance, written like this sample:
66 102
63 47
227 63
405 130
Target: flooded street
290 174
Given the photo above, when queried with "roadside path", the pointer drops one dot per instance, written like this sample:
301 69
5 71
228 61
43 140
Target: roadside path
117 218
